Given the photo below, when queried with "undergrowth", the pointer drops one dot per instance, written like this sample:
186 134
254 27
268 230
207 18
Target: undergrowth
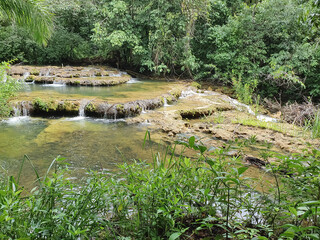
313 125
173 197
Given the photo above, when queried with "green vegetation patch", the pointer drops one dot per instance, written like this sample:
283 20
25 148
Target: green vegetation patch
278 127
173 197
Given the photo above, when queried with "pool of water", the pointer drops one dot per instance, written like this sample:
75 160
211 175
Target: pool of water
85 143
133 90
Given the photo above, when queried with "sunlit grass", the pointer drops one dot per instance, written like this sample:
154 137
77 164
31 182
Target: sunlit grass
284 128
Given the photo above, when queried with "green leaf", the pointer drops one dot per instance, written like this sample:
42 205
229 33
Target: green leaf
192 141
293 211
242 170
202 148
175 235
311 203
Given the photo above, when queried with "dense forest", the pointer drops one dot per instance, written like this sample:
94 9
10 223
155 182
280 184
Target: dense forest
268 47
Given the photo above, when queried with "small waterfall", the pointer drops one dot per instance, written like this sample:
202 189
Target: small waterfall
16 111
260 117
133 80
26 75
45 72
82 106
165 102
21 109
25 108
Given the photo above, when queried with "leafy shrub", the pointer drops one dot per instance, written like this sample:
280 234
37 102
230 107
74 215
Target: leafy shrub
8 88
171 198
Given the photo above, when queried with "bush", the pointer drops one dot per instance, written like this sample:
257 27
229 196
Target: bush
8 88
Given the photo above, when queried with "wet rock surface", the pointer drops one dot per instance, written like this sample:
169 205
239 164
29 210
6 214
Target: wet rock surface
51 107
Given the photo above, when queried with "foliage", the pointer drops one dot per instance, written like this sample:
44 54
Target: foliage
244 91
272 45
8 87
70 41
302 184
313 125
31 14
171 198
153 35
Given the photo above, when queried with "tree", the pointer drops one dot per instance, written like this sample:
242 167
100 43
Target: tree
30 14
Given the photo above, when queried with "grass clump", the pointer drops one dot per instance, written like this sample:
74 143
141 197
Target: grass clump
313 125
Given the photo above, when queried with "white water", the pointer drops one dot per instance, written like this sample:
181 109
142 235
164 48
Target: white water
187 93
240 106
25 75
18 120
82 106
79 118
54 84
21 108
133 80
165 102
191 92
260 117
104 120
115 74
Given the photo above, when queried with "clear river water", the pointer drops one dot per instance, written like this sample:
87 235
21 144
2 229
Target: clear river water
86 143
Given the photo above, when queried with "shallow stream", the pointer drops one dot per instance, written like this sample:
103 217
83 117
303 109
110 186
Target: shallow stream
86 143
132 90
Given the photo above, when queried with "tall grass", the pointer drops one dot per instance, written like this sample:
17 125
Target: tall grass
313 125
173 197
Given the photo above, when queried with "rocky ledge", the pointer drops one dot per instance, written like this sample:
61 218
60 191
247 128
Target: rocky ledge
76 76
91 108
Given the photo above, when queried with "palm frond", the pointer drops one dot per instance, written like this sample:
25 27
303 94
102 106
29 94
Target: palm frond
31 14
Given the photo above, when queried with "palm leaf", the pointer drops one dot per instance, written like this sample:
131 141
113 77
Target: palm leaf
30 14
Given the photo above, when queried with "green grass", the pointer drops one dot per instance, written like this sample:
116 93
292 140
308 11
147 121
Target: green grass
313 126
277 127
